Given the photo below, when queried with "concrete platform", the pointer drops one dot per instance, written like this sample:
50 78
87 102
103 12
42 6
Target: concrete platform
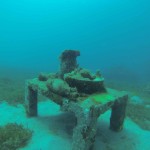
87 109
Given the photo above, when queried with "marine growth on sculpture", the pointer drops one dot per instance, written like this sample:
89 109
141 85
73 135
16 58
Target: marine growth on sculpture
78 90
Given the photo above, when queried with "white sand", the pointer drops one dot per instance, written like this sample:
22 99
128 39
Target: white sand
52 129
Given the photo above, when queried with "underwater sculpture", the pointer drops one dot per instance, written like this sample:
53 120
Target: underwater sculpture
79 91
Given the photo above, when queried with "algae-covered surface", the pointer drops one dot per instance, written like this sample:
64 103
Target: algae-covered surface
96 99
101 98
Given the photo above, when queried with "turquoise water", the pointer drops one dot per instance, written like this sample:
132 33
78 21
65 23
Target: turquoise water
112 35
108 33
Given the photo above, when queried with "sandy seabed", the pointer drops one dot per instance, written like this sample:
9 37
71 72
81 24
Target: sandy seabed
52 129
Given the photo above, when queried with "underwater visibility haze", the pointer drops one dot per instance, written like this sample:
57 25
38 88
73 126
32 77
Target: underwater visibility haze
113 36
34 32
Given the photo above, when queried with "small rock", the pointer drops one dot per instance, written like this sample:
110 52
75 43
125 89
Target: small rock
43 77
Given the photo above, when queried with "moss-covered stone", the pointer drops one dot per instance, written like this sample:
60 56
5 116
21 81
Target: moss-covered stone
68 61
43 77
101 98
60 87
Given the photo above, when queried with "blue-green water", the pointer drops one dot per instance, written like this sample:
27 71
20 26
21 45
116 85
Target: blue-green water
112 35
109 34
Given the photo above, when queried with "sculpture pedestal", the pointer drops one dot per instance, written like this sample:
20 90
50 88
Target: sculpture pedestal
86 109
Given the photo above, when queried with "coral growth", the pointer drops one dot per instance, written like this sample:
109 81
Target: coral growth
85 81
14 136
60 87
68 61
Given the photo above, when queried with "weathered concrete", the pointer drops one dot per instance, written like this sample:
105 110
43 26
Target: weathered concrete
86 111
85 81
118 113
68 61
87 106
31 101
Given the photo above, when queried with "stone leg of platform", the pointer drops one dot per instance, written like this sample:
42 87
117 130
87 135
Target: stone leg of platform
31 96
85 130
118 113
84 135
